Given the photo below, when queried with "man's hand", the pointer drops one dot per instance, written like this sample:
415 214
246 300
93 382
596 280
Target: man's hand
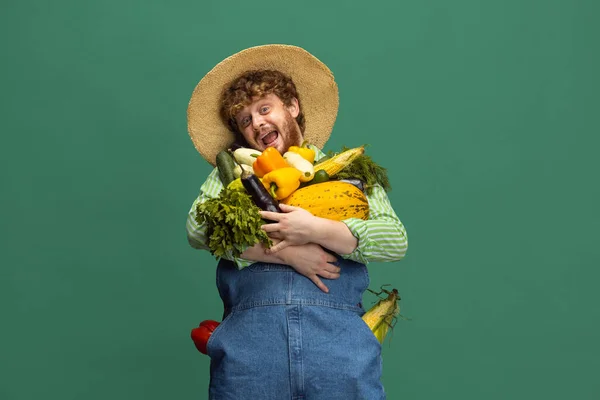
294 227
311 261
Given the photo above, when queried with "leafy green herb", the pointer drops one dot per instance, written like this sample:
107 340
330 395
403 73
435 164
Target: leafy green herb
365 169
232 223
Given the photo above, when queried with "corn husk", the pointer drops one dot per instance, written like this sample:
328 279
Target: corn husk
380 317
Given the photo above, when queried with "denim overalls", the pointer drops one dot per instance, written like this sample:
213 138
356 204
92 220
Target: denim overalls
283 338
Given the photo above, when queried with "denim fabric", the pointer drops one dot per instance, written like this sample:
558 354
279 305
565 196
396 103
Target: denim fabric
283 338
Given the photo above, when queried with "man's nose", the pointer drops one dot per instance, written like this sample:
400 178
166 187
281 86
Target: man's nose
257 122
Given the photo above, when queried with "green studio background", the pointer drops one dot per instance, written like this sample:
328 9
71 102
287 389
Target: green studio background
484 113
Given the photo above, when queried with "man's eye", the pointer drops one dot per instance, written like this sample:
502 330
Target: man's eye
245 121
264 109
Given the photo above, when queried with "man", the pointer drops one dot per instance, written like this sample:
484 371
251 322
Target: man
284 336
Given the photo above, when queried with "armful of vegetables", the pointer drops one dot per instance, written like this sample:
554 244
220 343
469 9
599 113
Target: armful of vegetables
233 223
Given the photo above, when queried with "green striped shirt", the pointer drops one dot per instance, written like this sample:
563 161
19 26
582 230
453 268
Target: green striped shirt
380 238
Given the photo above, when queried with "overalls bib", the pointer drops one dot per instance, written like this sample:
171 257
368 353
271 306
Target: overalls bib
283 338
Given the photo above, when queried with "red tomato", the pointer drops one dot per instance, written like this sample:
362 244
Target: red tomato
201 334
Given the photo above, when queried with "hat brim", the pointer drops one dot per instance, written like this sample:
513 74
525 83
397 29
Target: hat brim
315 83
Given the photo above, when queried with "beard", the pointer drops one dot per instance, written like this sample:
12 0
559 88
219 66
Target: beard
290 133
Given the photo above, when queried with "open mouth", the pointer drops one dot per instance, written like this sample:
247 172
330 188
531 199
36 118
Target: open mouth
270 138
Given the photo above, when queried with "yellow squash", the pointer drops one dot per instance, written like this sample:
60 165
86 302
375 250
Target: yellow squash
332 200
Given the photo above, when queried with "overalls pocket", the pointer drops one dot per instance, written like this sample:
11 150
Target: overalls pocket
217 334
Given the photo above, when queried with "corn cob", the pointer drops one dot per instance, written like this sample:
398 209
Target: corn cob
382 331
379 318
340 161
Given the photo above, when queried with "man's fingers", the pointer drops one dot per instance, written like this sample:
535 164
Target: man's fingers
279 246
273 216
329 271
330 258
329 275
319 283
332 269
286 208
270 227
275 235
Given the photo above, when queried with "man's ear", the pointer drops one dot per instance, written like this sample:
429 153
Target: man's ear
294 107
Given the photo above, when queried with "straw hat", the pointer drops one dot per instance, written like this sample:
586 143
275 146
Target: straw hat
316 87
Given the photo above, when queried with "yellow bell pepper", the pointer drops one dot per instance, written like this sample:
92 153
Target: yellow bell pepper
306 152
269 160
282 182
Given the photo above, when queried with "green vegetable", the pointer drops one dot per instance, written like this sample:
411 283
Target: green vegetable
233 223
320 177
366 170
236 185
226 165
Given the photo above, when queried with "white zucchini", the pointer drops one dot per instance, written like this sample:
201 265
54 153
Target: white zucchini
300 163
237 171
246 156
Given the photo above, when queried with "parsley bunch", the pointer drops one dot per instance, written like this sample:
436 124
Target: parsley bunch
232 223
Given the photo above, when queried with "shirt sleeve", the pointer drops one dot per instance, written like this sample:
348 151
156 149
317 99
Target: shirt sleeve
382 237
196 233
